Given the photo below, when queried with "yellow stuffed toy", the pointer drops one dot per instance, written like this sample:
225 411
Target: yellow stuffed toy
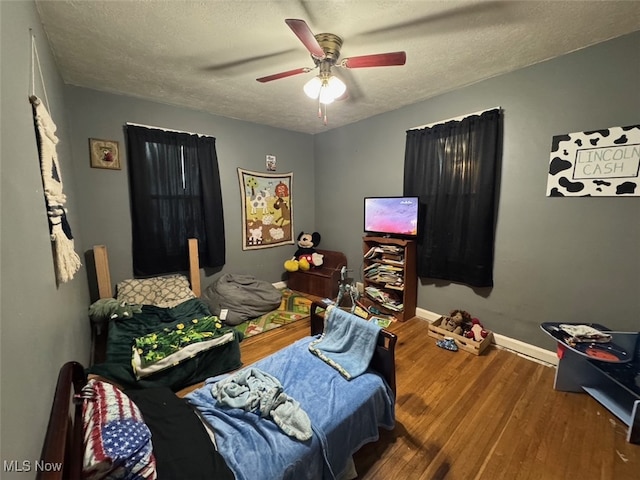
294 265
306 255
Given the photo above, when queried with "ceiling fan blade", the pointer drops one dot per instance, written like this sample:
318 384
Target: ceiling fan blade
257 59
286 74
306 36
376 60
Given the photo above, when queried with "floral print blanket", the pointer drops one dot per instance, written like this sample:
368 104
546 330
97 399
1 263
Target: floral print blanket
168 347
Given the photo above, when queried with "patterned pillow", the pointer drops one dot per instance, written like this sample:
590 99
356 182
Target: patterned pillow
166 291
117 441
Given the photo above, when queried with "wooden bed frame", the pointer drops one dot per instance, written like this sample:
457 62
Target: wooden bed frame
103 275
63 441
99 330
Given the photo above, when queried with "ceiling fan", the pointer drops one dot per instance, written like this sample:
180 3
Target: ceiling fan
325 52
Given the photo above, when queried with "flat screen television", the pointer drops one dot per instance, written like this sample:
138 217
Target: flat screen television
392 216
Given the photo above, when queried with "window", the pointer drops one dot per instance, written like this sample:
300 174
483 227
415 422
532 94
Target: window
175 195
453 167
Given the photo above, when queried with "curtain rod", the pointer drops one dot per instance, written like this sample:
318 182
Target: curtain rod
167 129
455 119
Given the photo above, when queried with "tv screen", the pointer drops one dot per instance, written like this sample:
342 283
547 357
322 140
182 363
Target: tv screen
394 216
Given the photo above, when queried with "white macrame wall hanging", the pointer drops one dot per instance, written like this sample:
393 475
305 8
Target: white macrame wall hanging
66 260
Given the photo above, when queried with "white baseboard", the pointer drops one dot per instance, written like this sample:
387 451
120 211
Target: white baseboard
529 351
427 315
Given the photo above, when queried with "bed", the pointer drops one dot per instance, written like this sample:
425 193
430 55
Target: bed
157 332
344 414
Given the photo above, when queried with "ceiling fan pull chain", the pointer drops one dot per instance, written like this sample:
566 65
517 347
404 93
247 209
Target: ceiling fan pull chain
324 120
319 108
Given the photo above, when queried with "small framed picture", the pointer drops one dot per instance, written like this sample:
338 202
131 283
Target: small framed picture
104 154
271 163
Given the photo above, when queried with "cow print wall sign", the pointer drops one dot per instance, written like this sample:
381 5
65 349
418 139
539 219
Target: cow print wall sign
599 163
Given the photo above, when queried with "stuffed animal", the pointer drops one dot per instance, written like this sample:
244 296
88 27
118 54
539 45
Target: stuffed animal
305 256
477 331
451 324
458 322
110 308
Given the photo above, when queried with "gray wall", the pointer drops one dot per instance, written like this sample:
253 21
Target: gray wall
43 325
556 259
104 211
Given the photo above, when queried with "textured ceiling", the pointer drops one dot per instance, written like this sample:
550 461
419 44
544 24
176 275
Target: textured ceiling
206 55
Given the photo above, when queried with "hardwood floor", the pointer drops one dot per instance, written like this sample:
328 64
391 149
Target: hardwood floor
494 416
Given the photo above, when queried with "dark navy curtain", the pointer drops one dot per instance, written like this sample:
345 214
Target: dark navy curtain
175 195
454 168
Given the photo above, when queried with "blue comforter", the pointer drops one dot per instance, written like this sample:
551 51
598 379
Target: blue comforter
344 414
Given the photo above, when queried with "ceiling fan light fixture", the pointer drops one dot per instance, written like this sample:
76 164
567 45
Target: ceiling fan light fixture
336 87
325 96
326 90
312 87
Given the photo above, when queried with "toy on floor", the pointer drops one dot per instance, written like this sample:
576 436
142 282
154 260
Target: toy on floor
447 343
458 322
477 331
305 256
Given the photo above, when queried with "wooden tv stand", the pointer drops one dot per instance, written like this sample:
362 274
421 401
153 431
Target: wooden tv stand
615 385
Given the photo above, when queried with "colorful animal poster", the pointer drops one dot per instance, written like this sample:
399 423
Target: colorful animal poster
267 209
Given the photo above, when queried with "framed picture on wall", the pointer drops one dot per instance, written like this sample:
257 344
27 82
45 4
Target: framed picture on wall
596 163
104 154
266 201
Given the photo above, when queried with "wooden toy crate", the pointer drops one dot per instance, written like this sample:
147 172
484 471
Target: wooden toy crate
466 344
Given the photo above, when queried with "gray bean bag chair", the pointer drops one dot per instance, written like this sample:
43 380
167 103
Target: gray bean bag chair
243 297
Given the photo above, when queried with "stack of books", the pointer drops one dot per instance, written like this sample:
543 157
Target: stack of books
389 275
384 299
386 253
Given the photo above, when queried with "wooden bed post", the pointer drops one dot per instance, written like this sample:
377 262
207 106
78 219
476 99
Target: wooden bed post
194 266
63 441
103 276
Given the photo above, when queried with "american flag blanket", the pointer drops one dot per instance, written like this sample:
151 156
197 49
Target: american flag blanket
117 441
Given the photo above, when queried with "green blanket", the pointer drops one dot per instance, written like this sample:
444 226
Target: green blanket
124 332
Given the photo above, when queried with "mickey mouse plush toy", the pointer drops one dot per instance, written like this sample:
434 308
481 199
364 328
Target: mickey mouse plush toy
306 255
